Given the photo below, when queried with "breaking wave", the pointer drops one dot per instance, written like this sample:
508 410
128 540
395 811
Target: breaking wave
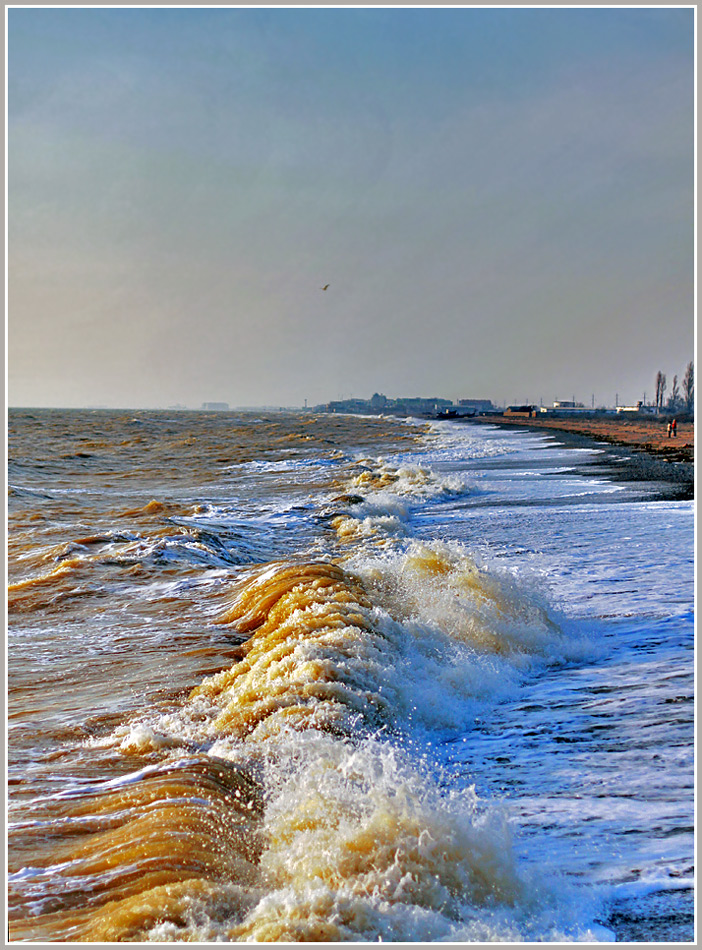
294 796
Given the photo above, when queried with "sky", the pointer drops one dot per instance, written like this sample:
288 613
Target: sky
501 201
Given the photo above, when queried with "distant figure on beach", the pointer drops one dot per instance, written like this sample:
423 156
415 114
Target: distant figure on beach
669 427
674 426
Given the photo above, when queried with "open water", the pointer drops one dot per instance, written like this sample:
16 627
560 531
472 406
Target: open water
299 677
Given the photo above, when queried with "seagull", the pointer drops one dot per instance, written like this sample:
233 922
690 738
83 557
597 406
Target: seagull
325 287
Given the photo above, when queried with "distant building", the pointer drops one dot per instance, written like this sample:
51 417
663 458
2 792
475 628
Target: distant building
421 403
219 406
417 405
349 405
480 405
639 407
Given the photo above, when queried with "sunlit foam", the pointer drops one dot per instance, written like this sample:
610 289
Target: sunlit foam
362 844
405 480
313 811
376 505
443 584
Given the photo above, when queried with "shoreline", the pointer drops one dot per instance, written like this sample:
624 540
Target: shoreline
631 451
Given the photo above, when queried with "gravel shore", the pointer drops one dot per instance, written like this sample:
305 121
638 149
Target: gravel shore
631 450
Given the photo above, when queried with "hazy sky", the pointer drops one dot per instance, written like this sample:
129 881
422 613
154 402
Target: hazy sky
500 199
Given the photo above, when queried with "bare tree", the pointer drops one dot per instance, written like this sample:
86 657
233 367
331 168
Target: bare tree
660 390
688 387
674 398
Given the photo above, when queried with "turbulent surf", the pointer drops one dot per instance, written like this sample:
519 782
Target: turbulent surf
299 677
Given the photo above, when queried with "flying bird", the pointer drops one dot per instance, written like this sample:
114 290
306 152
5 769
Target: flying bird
325 287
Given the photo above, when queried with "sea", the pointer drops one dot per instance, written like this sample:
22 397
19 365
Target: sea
311 677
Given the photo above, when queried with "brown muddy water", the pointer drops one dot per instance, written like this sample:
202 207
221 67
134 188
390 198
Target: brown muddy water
244 653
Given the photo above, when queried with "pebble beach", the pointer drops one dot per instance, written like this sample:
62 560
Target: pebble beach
633 449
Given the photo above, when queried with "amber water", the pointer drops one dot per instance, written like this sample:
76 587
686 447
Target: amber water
308 677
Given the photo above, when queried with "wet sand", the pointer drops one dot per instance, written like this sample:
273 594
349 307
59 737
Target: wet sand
635 450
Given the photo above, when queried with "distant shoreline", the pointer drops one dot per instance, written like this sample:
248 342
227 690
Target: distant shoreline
634 451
